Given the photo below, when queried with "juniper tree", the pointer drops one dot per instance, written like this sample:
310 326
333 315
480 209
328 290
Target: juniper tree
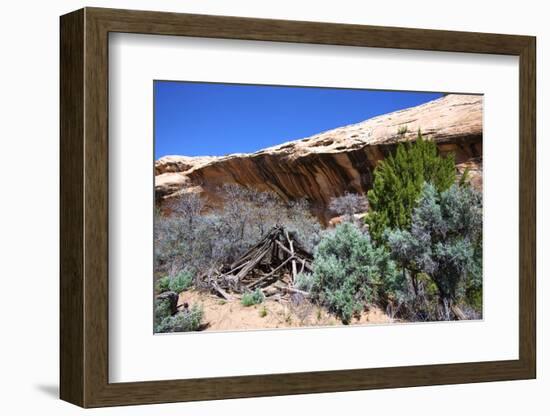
398 182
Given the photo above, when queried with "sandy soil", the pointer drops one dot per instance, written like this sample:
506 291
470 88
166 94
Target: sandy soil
221 315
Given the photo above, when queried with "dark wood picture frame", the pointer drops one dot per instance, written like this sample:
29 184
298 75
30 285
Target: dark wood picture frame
84 207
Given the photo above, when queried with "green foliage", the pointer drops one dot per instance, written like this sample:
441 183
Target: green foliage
473 297
304 281
444 241
178 283
398 182
184 321
263 312
402 129
162 310
465 178
163 284
182 281
470 290
253 298
348 270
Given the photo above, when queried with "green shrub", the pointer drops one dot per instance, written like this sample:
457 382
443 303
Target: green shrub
402 129
178 283
263 312
253 298
444 242
162 311
184 321
163 284
182 281
349 271
304 281
424 304
474 297
398 182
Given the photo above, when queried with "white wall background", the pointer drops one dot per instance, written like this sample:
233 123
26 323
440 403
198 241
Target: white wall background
29 209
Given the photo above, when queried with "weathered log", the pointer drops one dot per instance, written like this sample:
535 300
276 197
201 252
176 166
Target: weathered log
270 291
233 270
292 290
271 273
303 265
286 250
265 241
249 254
294 270
251 264
458 313
222 292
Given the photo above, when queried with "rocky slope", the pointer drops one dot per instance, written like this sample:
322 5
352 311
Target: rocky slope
333 162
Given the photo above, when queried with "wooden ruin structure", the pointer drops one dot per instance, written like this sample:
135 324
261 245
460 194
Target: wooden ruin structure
271 265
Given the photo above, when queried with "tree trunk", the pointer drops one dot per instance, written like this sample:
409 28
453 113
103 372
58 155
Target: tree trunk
414 281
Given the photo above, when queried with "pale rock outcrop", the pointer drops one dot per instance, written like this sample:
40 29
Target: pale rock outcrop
331 163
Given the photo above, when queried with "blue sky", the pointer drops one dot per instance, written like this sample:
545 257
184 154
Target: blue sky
195 119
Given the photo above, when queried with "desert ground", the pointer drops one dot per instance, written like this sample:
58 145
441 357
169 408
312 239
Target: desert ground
222 315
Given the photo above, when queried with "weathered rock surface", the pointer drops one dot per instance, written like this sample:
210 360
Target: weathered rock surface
333 162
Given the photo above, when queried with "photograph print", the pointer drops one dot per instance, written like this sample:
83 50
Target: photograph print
293 207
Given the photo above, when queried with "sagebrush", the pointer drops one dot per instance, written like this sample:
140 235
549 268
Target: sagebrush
348 270
253 298
184 321
191 238
444 242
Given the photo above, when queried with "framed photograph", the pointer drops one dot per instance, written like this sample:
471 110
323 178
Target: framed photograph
255 207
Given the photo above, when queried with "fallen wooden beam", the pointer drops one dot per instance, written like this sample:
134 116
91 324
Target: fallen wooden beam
297 255
222 292
264 277
303 265
251 264
292 290
249 254
294 269
458 313
270 291
308 266
286 250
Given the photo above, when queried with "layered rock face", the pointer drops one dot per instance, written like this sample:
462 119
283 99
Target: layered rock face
331 163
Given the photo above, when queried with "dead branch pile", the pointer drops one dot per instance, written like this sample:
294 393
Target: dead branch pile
271 266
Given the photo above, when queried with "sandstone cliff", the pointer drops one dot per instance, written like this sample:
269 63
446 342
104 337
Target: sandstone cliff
333 162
